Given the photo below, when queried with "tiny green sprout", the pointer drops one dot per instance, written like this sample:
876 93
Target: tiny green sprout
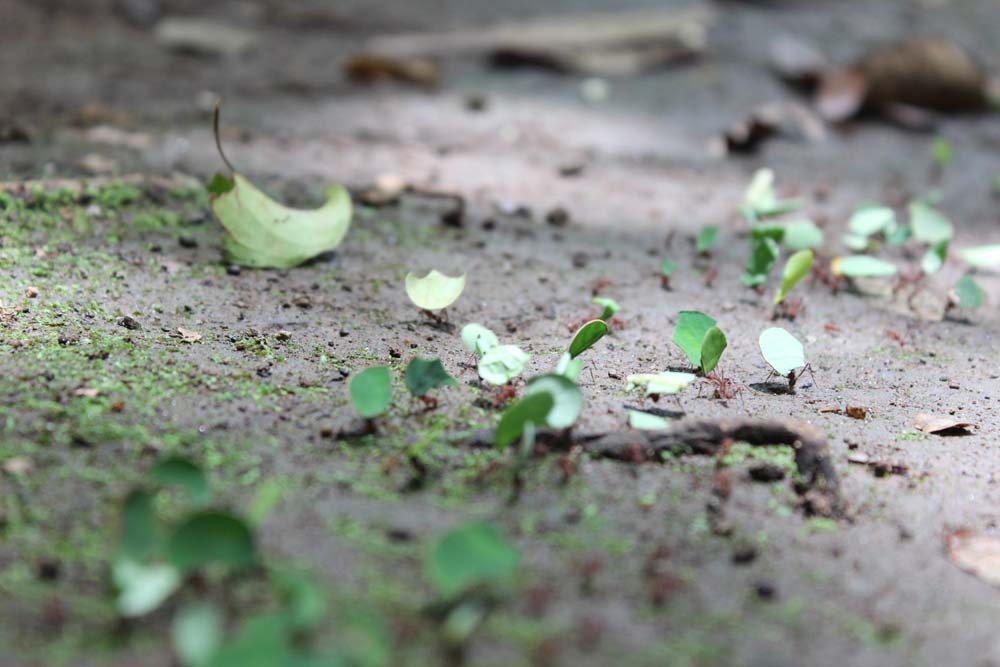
783 353
501 364
929 225
706 239
422 375
862 266
701 341
667 268
982 257
371 391
966 294
796 268
586 336
478 339
610 307
941 153
435 291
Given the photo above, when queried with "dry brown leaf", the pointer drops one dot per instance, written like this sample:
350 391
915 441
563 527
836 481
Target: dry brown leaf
600 44
856 412
188 336
86 392
977 554
369 68
18 466
925 72
939 424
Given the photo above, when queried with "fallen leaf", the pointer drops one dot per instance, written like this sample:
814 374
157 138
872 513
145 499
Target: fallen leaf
86 392
623 42
856 412
265 234
858 458
188 336
940 425
203 37
925 73
370 68
977 554
17 466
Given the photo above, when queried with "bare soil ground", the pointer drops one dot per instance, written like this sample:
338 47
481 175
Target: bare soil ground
623 563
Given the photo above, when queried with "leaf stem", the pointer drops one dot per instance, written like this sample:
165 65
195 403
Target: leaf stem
218 141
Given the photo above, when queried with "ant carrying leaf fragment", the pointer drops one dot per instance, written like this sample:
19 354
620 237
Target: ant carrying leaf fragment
784 354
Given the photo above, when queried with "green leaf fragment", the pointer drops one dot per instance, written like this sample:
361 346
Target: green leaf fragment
862 266
468 556
968 294
763 255
870 220
262 233
712 347
531 409
667 382
941 152
182 473
934 258
502 363
371 391
435 291
692 325
422 375
220 185
610 306
140 530
211 537
478 339
802 234
142 588
586 336
796 268
706 240
781 350
196 633
569 367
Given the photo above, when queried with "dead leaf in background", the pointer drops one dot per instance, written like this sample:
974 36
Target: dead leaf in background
188 336
204 37
600 44
18 466
856 412
926 73
977 554
371 68
940 425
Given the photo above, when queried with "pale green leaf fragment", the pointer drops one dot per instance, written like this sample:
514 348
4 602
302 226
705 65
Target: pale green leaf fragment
567 399
796 268
706 239
142 588
197 632
983 257
870 220
928 224
435 291
502 363
569 367
644 421
371 391
968 294
667 382
862 266
855 242
781 350
470 555
478 339
934 258
802 234
610 306
262 233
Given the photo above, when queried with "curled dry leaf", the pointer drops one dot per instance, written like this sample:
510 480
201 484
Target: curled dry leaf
370 68
856 412
940 424
926 73
977 554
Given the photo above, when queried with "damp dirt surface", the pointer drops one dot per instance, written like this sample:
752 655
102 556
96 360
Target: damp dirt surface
692 560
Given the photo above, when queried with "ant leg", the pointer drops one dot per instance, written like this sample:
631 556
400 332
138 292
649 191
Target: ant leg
812 376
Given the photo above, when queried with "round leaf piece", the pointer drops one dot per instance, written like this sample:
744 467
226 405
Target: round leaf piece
434 291
371 391
502 364
211 537
781 350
